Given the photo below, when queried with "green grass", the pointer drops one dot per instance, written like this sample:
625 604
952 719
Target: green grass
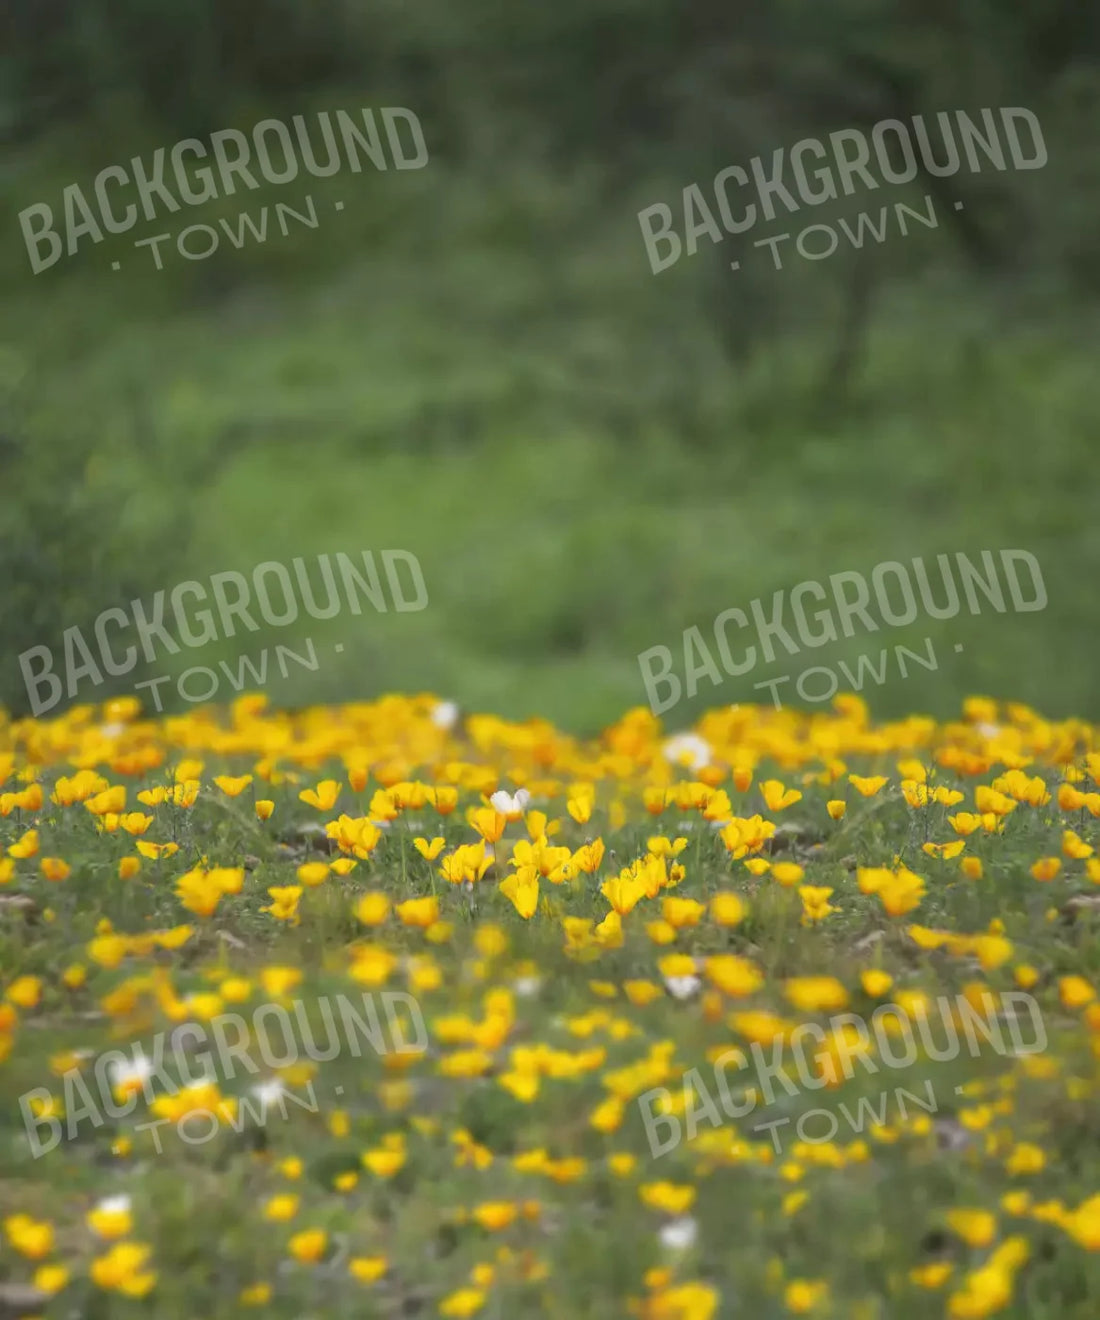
555 551
491 378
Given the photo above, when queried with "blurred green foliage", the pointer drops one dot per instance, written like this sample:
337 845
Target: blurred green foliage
474 362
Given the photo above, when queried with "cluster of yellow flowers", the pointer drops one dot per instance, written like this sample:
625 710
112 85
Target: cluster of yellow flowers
586 922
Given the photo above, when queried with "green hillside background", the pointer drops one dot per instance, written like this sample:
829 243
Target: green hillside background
474 362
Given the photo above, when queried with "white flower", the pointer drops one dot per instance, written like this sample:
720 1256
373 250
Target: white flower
679 1234
128 1072
687 749
511 806
269 1092
989 730
682 987
526 986
445 715
114 1205
112 730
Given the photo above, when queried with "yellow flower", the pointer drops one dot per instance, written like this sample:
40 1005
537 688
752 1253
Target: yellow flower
682 912
464 1302
154 851
420 912
490 941
988 799
581 800
466 864
1075 991
235 989
777 796
24 991
803 1295
732 975
876 983
308 1246
814 994
901 893
622 1164
1083 1224
323 797
109 800
121 1270
278 981
445 799
108 950
983 1292
284 903
429 850
372 964
815 902
26 845
522 891
30 1237
367 1269
199 892
623 892
685 1301
372 909
1074 846
933 1275
673 1198
727 909
232 786
589 857
1025 1158
977 1228
487 822
836 808
1046 868
312 874
787 873
128 867
495 1215
264 808
945 851
82 785
51 1278
193 1099
383 1161
111 1218
867 787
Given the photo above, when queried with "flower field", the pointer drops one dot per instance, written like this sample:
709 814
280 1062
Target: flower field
387 1010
